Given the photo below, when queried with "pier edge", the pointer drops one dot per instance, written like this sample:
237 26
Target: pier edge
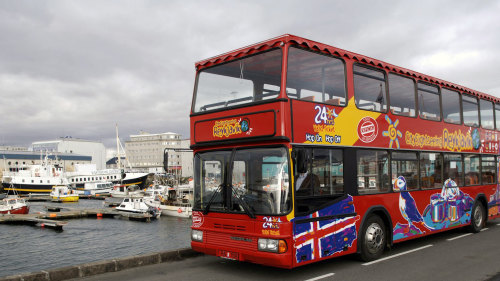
104 266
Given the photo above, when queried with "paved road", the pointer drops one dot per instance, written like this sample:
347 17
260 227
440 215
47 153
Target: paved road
454 255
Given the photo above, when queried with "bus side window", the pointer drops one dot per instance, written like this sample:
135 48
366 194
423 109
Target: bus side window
472 169
453 168
369 89
451 106
488 169
402 95
429 102
373 171
430 170
470 111
486 110
316 77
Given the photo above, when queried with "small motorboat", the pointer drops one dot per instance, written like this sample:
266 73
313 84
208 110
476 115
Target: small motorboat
137 205
13 205
61 193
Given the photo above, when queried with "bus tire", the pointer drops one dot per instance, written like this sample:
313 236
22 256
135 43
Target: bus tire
478 217
373 239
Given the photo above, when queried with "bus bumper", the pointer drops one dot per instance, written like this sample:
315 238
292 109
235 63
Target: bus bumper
283 260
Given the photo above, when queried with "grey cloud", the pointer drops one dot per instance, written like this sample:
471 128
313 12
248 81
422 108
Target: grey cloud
79 67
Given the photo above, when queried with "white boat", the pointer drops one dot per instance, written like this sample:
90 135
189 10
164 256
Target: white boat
122 191
40 178
137 205
61 193
87 173
179 201
155 194
34 178
96 189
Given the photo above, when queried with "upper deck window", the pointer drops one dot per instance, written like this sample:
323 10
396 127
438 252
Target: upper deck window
402 94
487 119
471 111
369 89
429 102
451 106
497 115
315 77
244 81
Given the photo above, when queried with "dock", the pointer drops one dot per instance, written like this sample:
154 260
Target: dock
57 217
32 219
42 198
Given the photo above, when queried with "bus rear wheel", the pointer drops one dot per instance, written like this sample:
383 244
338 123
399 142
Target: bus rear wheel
478 217
373 239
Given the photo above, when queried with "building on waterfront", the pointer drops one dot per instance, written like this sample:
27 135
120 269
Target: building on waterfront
14 160
69 145
113 163
145 151
13 148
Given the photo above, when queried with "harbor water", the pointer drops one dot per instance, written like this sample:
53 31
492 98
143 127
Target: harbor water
32 248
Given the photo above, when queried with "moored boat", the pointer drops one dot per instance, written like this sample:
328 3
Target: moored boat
122 191
34 178
95 189
179 201
61 193
155 194
13 205
137 205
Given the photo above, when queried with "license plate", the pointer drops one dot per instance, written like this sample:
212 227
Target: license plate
228 255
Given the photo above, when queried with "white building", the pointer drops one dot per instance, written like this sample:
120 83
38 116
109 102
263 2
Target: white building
145 151
13 161
77 146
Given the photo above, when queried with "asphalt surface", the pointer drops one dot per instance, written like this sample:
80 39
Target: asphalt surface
453 255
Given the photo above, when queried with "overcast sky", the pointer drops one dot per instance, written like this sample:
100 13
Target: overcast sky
77 68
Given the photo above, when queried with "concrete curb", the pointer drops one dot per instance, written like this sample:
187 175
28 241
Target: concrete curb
100 267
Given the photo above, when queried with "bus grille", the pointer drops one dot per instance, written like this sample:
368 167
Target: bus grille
229 227
231 240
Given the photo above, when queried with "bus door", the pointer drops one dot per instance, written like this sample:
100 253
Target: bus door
325 217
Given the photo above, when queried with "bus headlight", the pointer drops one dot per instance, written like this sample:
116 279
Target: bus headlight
197 235
272 245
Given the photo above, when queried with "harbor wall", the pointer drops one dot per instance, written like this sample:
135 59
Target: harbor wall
100 267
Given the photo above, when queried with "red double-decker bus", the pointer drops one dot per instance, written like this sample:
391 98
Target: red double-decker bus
305 152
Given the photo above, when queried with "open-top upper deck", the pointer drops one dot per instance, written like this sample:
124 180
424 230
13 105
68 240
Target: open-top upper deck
288 39
290 89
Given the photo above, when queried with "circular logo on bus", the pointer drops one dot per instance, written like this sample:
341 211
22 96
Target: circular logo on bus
244 124
197 219
367 129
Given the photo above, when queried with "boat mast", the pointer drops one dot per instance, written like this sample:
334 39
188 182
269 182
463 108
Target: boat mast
118 149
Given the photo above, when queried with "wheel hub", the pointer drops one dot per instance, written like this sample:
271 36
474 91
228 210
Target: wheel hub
374 238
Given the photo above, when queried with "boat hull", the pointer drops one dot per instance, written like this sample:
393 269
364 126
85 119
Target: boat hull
176 211
140 181
22 210
27 188
65 199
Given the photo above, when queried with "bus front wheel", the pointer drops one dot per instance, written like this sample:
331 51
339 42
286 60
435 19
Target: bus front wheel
373 239
478 217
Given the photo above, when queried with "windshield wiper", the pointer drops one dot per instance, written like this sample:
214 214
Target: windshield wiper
217 191
243 203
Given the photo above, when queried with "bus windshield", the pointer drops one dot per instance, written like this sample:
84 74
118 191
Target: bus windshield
254 181
244 81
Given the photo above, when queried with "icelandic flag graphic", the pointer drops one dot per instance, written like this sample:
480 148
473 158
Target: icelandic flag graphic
324 238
